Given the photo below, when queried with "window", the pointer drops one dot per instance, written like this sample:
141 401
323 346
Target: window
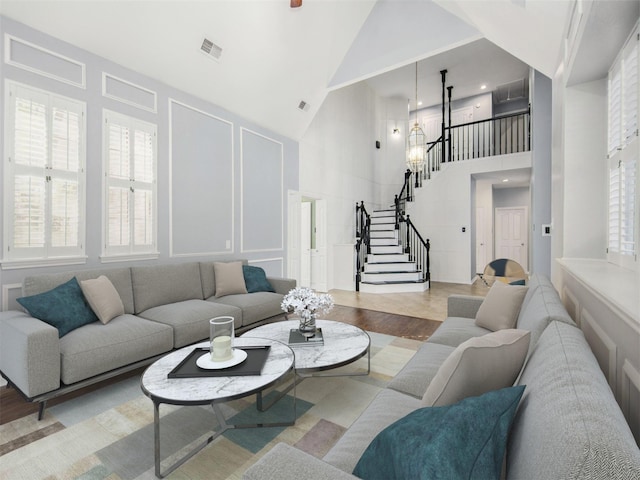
130 187
624 151
44 190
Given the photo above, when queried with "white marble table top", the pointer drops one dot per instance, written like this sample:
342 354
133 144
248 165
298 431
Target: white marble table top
203 390
343 343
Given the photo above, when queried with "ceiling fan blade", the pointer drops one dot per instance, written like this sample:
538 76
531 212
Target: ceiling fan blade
296 3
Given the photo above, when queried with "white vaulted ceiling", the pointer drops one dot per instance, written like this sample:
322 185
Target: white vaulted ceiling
275 56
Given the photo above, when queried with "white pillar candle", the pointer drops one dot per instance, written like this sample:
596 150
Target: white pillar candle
221 349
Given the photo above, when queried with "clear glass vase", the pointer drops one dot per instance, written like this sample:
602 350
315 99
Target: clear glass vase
307 323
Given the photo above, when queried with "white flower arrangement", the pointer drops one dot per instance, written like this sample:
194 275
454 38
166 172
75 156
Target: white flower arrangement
304 301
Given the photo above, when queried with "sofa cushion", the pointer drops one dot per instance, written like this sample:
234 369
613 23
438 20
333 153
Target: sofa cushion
255 306
162 284
455 330
500 307
387 407
463 440
229 278
103 298
477 366
415 376
98 348
569 424
542 308
256 279
63 307
208 276
190 319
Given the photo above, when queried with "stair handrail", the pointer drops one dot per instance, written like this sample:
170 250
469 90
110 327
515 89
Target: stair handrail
416 247
405 195
363 237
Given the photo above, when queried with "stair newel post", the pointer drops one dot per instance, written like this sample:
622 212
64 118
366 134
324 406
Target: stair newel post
396 202
367 234
443 74
407 248
428 270
449 139
408 186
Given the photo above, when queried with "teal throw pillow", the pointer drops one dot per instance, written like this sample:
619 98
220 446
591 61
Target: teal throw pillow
464 440
256 280
64 307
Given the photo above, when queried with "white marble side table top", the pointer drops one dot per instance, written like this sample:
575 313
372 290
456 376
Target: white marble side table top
343 344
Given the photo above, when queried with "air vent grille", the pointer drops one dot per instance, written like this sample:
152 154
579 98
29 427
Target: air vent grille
211 49
510 91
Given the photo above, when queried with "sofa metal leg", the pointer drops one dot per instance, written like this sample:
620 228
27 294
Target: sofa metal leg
41 406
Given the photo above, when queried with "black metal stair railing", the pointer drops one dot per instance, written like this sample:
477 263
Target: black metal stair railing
363 240
416 247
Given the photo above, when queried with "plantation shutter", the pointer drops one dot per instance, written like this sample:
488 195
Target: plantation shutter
131 185
44 201
615 109
630 91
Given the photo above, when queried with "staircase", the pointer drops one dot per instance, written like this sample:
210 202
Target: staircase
388 269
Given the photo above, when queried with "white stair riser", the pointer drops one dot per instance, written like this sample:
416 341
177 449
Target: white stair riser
390 267
394 287
385 250
383 213
384 233
383 241
404 257
392 277
382 226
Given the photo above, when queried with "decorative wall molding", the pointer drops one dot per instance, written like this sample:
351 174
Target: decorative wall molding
609 364
572 304
32 60
6 296
243 248
133 89
274 259
630 379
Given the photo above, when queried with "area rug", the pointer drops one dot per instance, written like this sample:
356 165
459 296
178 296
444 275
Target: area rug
108 434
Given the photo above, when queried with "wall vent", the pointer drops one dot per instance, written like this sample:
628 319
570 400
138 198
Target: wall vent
211 49
510 91
304 106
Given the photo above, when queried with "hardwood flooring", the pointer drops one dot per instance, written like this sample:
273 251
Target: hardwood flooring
408 315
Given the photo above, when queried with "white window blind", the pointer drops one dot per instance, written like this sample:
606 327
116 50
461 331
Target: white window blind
44 184
624 150
130 172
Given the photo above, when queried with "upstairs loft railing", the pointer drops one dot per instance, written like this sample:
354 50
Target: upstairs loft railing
484 138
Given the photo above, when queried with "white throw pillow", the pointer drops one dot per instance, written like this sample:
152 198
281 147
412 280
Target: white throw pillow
103 298
477 366
229 278
501 306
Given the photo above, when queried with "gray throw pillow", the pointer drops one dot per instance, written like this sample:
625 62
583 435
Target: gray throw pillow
479 365
229 278
501 306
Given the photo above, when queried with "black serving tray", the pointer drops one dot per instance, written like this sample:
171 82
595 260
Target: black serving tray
252 365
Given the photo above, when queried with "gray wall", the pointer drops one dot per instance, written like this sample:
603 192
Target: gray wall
511 197
221 179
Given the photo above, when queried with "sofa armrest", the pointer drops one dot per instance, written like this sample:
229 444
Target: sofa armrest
29 353
463 305
285 462
282 285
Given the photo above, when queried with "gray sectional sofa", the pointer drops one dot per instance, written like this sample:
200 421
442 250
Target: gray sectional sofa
165 307
568 424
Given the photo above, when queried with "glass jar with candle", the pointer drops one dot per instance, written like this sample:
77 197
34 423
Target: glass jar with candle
221 336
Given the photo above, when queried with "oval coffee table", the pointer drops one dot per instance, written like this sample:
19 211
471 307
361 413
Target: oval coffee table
213 390
343 344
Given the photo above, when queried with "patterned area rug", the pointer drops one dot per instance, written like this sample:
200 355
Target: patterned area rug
108 434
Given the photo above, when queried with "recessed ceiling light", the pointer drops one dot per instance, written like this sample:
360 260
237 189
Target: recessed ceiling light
483 87
505 180
419 103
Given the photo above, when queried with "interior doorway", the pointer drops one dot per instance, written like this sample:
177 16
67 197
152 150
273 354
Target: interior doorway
511 240
307 237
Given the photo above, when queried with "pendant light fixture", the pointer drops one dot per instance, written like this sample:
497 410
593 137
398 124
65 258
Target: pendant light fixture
416 141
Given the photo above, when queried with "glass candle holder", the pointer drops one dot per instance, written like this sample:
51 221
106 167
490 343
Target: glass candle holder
221 336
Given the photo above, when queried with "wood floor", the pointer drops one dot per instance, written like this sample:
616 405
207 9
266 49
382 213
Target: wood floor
408 315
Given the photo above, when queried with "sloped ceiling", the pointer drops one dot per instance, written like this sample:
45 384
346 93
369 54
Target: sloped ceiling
274 56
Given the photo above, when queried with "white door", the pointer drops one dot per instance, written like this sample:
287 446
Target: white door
461 139
432 127
293 235
319 254
512 235
305 244
481 240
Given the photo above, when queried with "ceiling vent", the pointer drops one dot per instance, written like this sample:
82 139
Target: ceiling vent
210 49
304 106
510 91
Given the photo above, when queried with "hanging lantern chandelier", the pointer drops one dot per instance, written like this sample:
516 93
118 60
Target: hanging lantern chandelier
416 141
